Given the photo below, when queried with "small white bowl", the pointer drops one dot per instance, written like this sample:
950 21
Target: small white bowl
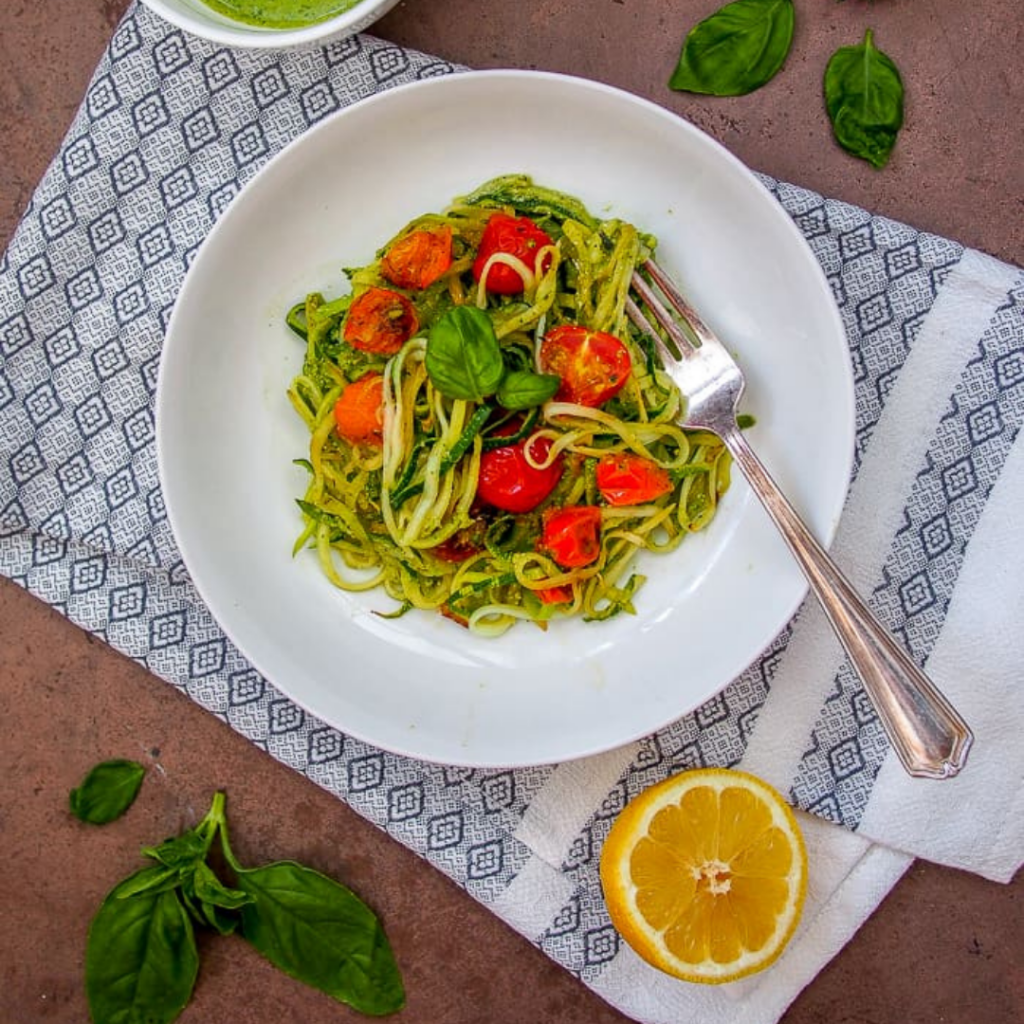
196 17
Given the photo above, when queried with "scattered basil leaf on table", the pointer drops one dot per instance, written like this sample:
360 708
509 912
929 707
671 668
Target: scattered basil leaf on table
864 99
737 49
524 389
463 355
140 958
322 934
107 791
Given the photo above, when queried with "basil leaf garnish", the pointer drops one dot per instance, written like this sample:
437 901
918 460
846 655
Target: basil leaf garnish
321 933
107 791
524 389
463 355
864 99
737 49
140 959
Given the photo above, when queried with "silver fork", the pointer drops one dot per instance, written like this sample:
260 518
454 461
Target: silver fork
927 733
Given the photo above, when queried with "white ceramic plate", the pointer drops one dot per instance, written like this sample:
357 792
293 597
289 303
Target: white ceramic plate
421 685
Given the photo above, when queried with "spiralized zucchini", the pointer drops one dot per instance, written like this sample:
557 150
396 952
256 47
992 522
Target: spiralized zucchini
404 516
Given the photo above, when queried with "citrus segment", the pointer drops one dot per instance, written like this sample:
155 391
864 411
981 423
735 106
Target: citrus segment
704 874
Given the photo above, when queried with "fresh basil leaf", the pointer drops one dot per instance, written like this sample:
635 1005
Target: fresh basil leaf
180 851
321 933
226 922
210 889
209 901
524 389
864 99
140 959
107 791
737 49
463 355
154 879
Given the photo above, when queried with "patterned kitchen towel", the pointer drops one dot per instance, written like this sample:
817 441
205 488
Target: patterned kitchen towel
170 129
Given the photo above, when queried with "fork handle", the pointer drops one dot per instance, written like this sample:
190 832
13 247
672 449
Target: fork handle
928 735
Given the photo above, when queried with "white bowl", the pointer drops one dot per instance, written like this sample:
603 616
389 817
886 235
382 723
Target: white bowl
226 434
196 17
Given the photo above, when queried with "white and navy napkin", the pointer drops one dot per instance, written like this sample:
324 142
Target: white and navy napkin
170 129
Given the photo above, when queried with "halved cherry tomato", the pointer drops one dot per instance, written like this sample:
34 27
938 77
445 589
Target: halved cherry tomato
627 479
517 236
419 258
572 535
380 321
593 365
507 481
359 412
555 595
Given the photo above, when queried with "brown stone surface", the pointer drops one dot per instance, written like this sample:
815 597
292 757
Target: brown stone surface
945 946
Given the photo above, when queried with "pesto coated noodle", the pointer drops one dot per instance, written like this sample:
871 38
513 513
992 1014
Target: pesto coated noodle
478 445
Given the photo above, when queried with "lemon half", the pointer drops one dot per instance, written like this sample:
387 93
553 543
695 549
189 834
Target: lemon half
704 874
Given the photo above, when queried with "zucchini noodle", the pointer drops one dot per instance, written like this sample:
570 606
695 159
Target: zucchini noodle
400 510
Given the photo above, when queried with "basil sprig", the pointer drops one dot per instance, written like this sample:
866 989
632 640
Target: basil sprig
737 49
107 791
141 959
464 360
864 99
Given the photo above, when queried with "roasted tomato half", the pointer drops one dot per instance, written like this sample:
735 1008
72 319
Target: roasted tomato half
380 321
593 365
627 479
419 258
572 535
359 411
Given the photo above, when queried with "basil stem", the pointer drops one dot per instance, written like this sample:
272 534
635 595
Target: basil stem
864 99
463 357
140 959
737 49
107 791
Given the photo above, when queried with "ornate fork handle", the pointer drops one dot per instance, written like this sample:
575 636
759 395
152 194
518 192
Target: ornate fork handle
929 736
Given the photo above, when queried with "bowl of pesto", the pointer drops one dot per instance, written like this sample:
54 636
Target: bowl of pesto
271 24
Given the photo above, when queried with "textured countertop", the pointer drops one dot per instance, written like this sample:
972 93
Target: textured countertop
944 946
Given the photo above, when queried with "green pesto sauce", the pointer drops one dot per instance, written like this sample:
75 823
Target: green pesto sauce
280 13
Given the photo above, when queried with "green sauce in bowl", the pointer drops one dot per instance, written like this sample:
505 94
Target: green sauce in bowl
280 13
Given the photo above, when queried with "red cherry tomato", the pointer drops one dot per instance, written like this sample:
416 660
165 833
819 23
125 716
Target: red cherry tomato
572 535
627 479
507 481
517 236
555 595
419 258
380 321
593 365
359 412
